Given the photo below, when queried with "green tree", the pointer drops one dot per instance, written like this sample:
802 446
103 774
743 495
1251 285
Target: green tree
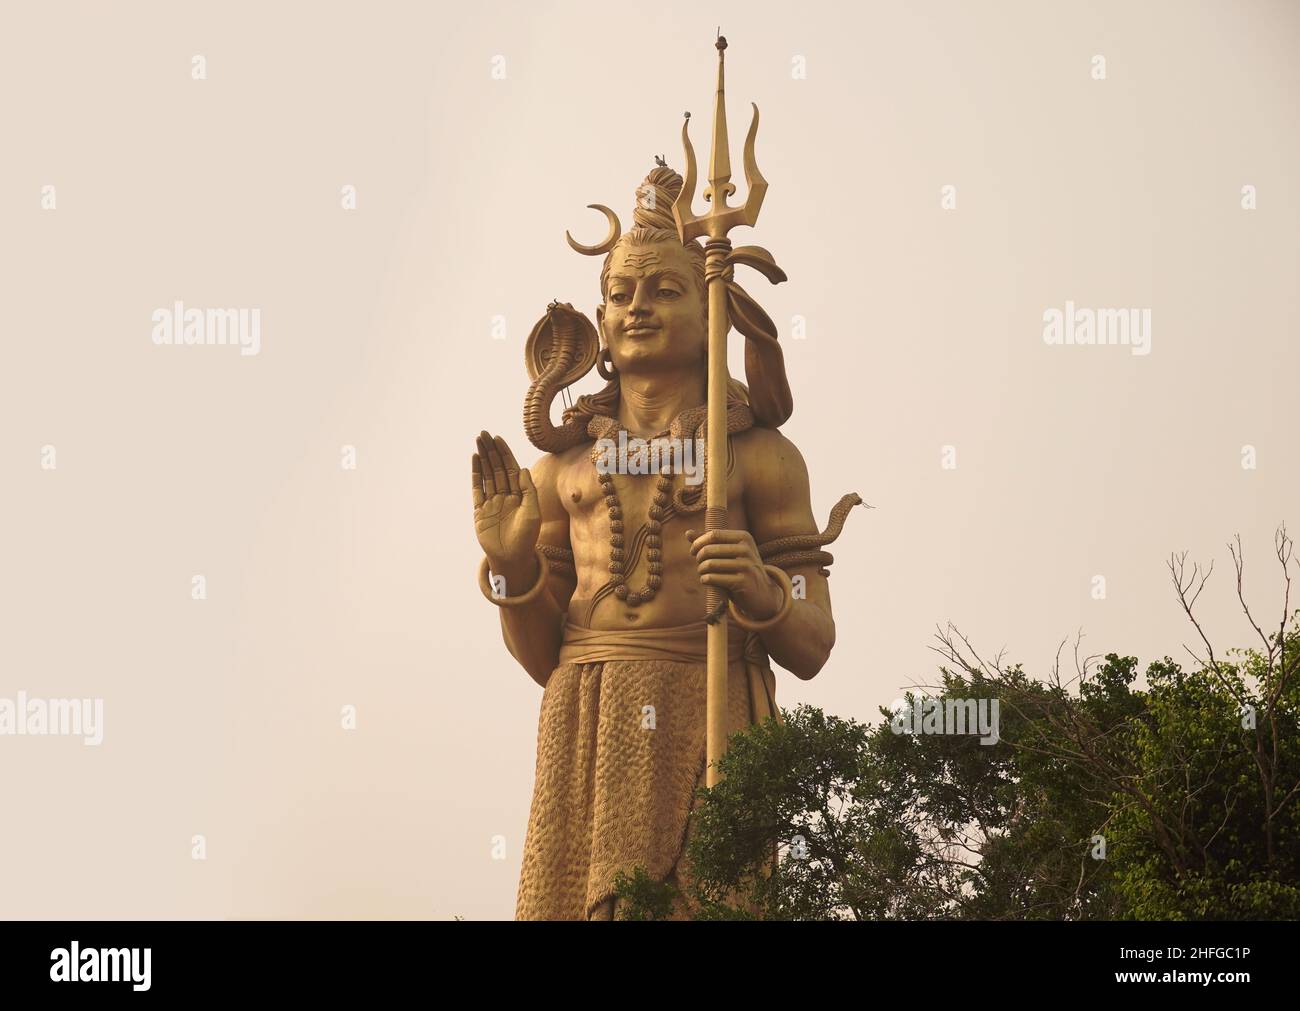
1102 799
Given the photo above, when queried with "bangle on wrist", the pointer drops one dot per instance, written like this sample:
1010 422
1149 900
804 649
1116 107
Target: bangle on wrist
779 576
503 601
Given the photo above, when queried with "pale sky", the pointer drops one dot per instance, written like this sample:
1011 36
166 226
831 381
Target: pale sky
472 138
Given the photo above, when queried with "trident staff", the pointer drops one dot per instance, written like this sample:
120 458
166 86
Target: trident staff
719 260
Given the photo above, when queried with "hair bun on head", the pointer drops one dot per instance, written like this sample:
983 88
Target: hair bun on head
654 199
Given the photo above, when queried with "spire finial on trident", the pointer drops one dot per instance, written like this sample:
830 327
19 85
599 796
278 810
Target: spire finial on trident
720 218
720 185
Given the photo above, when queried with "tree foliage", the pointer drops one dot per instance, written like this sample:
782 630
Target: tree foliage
1174 795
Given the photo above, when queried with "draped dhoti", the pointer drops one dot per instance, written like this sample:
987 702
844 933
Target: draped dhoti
620 753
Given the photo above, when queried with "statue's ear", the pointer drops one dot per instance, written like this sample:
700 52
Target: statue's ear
600 323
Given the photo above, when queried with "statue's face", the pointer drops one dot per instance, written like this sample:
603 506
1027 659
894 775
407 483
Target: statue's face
653 316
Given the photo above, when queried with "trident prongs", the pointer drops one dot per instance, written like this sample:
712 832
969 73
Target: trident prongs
720 218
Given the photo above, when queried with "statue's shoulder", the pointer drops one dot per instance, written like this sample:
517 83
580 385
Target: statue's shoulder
771 464
766 443
551 466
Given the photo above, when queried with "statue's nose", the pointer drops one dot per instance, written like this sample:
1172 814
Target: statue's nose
643 299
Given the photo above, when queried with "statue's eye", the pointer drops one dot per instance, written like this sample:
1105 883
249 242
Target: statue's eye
668 293
618 297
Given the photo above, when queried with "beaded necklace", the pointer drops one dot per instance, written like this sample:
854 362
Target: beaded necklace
654 535
739 418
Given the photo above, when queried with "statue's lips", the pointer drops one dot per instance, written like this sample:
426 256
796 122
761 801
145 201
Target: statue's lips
640 331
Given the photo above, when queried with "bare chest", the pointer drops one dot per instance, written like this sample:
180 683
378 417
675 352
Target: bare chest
596 520
584 497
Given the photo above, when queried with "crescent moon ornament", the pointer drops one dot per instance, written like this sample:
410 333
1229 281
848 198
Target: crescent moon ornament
615 230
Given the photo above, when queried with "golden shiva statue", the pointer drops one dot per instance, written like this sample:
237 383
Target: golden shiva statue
650 631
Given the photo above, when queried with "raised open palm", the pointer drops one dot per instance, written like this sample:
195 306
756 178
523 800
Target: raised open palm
507 518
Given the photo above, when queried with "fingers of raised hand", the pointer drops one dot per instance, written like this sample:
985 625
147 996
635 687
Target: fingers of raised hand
511 465
477 468
498 476
485 465
497 463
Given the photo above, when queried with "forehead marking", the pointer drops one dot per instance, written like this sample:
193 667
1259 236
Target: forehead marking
641 260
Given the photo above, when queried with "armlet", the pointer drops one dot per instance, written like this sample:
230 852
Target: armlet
805 549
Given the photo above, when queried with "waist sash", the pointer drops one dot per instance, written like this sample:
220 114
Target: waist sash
680 644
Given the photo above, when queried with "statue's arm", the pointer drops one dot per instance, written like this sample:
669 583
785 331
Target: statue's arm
778 504
533 631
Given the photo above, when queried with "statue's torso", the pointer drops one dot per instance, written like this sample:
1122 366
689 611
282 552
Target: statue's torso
680 599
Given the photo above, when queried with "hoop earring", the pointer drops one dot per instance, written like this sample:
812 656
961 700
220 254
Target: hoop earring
605 364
